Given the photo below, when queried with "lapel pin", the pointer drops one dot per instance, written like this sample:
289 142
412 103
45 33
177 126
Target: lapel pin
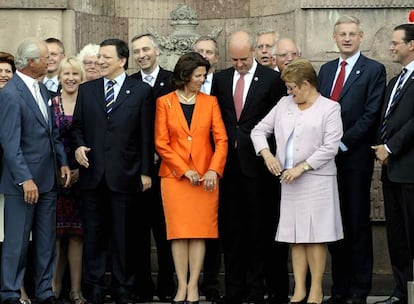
49 103
161 84
358 72
256 78
127 92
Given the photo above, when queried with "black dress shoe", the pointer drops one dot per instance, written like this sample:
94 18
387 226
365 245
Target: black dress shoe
125 300
336 299
390 300
11 301
49 300
165 298
145 299
274 299
354 299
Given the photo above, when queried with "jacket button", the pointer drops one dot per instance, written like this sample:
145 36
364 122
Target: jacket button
189 138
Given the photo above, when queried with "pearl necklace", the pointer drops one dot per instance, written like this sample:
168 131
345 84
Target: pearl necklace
189 99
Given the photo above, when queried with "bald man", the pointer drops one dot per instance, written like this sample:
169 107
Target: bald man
284 51
242 193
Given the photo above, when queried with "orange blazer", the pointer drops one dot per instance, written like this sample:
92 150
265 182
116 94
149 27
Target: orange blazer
182 148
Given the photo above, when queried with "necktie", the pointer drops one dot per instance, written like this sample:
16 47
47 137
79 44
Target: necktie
109 96
339 84
50 85
238 96
39 100
383 130
148 79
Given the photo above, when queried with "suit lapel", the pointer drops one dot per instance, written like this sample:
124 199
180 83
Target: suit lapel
31 102
123 94
256 80
179 113
330 73
356 72
409 82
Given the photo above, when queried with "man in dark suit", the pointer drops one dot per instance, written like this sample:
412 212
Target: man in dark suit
207 47
363 86
396 154
113 136
246 92
32 154
56 54
149 211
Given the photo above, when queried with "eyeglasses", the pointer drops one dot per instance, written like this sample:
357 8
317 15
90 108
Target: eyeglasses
291 88
264 46
90 63
284 55
393 44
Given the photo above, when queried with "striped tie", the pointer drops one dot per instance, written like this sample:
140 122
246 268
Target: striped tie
109 96
383 130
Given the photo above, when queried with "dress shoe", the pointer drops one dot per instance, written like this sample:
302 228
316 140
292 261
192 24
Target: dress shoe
165 298
125 300
354 299
145 299
49 300
11 301
303 301
336 299
274 299
390 300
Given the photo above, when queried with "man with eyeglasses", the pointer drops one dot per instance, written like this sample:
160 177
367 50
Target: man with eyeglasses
284 51
56 54
358 84
395 152
265 40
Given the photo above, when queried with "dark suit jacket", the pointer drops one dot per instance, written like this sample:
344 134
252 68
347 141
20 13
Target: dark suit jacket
122 144
31 146
361 100
400 132
265 91
162 84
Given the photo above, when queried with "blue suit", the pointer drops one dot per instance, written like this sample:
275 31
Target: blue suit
361 99
31 151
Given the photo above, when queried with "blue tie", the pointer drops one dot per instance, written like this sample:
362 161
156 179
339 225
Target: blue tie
109 96
383 130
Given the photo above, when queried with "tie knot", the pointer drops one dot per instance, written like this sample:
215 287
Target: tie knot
148 78
404 70
343 63
110 83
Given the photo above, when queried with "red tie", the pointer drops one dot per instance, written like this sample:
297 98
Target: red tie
238 96
339 84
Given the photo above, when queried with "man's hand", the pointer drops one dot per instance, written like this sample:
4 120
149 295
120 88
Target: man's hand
65 174
80 156
146 182
381 154
31 192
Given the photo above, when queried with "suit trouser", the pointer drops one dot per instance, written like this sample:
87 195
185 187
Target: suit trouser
241 227
19 219
106 220
150 216
399 214
352 257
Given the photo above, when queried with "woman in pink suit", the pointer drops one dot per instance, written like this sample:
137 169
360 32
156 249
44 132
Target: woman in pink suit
186 123
308 129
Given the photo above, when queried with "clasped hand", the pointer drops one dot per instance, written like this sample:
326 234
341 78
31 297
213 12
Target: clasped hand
209 179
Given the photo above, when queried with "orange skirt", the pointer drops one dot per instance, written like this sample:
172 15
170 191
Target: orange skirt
190 211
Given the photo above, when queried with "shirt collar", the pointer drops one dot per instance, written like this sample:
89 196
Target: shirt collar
351 60
118 79
154 73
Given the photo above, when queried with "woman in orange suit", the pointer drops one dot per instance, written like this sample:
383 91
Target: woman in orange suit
186 123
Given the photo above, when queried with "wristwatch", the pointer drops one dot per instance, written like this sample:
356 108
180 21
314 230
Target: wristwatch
306 166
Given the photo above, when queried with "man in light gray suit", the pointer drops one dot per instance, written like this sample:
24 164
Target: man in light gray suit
33 156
